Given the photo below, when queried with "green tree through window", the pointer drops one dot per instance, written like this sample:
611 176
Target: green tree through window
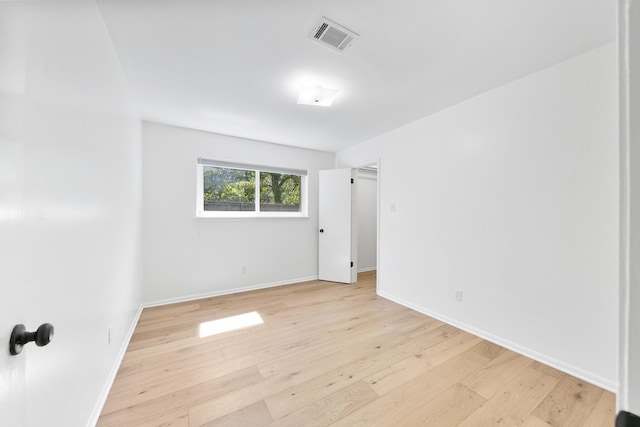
234 189
229 189
279 192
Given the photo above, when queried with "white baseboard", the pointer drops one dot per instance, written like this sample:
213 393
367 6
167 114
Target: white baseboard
362 270
590 377
102 398
227 292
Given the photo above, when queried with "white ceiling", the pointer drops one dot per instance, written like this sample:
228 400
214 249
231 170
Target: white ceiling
235 66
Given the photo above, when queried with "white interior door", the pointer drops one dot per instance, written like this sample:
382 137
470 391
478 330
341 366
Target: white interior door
16 220
335 261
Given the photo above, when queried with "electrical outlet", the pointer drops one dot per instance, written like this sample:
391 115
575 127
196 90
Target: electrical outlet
244 269
458 295
393 207
109 334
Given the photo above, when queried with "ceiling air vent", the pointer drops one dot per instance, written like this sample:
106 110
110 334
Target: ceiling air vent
333 35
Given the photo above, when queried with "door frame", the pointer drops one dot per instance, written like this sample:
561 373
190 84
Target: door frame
629 279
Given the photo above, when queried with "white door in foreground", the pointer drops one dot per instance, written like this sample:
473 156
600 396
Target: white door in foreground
335 262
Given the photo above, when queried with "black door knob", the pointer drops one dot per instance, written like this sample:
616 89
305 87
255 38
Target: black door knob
322 230
20 336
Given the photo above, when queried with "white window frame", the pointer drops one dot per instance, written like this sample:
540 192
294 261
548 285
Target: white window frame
201 213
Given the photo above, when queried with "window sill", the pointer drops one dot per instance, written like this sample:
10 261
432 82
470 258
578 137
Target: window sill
251 218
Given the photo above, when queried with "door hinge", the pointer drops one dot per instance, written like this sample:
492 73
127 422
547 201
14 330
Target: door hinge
351 263
352 180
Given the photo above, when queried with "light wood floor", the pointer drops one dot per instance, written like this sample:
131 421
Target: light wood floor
331 354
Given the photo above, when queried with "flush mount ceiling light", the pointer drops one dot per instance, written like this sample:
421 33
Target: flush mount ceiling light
317 95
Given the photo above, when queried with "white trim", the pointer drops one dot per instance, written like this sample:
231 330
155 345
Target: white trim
247 166
255 218
527 352
249 215
226 292
362 270
622 399
102 398
378 199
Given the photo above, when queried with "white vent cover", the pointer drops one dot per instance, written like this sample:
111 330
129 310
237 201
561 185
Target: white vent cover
333 35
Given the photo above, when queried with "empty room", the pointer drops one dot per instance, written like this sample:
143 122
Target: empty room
287 213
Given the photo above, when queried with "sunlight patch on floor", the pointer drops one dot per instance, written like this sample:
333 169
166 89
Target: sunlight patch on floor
228 324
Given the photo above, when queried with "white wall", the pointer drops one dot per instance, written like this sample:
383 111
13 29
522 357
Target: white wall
70 184
511 197
185 256
367 205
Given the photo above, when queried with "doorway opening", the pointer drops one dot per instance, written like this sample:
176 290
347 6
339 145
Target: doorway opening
366 211
348 223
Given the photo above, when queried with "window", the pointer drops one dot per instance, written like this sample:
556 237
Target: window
228 189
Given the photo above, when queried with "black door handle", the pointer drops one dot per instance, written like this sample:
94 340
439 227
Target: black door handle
20 336
322 230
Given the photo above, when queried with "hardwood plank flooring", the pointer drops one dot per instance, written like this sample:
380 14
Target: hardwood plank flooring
333 354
